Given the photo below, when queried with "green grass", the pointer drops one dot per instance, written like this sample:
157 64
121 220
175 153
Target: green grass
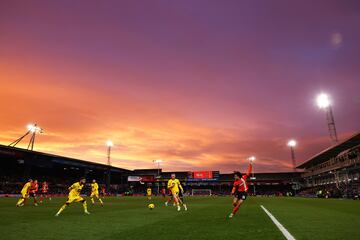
128 218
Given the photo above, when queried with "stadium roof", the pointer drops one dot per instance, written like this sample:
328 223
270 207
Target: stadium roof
24 153
332 151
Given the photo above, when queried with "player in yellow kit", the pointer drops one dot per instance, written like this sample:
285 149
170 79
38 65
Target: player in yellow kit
175 187
74 196
95 192
148 193
24 193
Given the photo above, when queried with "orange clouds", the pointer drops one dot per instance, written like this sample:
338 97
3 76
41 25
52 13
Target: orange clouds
79 119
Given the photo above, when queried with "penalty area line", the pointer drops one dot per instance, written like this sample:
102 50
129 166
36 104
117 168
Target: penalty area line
282 229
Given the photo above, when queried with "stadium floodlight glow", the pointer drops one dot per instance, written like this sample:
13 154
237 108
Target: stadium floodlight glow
292 143
158 161
33 128
251 160
323 100
109 143
30 126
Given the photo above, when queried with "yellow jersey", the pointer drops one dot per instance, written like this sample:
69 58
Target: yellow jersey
75 189
174 185
94 187
148 191
26 187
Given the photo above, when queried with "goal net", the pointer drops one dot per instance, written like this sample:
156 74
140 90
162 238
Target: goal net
201 192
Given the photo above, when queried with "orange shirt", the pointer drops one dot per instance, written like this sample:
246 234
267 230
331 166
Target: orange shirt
241 184
45 187
34 187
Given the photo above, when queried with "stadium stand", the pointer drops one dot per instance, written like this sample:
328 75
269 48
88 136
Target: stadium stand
268 184
334 172
18 165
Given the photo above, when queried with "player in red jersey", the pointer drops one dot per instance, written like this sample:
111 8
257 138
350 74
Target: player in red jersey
240 189
103 191
44 191
163 192
33 190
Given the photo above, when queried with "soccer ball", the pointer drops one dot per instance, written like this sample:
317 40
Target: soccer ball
151 206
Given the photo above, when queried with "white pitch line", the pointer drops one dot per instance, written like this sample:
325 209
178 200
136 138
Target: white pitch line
284 231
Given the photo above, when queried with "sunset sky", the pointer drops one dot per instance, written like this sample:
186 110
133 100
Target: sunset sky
200 84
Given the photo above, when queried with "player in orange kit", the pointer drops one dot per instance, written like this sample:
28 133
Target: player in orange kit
240 189
163 192
34 188
103 191
44 191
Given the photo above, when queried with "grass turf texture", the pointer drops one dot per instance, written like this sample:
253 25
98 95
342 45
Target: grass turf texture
129 218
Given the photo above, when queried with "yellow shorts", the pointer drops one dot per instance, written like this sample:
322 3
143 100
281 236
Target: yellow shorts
72 199
175 192
24 195
95 194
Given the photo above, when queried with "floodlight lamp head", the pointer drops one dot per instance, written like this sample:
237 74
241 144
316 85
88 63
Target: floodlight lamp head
292 143
33 128
323 101
109 143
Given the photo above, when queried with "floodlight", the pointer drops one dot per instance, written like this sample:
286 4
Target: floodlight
34 128
109 143
30 126
252 158
323 100
292 143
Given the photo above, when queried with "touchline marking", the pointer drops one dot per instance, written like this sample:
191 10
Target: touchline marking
284 231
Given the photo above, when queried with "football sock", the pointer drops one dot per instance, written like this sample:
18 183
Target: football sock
85 206
235 209
61 209
21 200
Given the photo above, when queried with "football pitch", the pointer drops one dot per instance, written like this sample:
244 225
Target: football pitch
129 218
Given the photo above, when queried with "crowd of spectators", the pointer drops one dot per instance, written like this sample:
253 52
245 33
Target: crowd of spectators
351 191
